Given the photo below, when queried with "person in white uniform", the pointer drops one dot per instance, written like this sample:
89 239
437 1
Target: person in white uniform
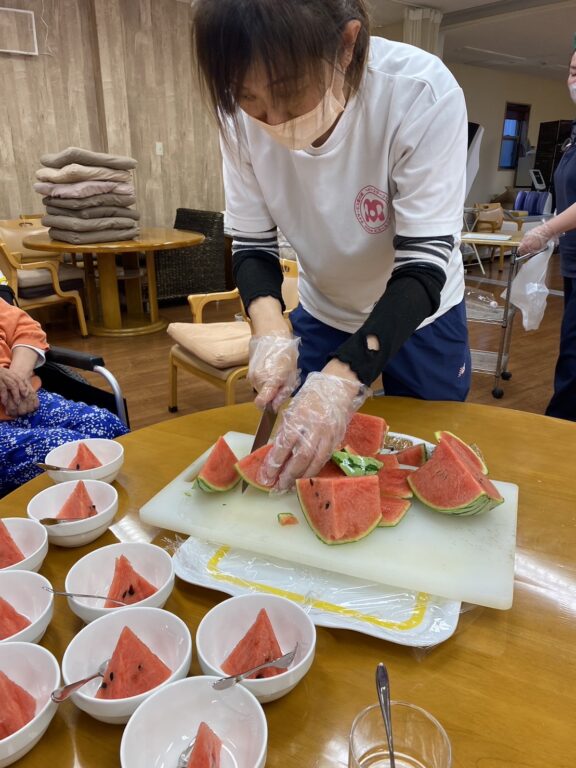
355 147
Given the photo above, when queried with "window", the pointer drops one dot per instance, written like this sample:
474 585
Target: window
514 135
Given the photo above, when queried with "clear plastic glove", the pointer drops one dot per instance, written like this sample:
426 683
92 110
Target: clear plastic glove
273 368
313 426
536 239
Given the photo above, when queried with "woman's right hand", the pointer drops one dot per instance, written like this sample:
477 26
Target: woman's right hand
273 368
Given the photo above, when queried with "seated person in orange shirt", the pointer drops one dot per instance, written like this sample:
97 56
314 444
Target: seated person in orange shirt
32 420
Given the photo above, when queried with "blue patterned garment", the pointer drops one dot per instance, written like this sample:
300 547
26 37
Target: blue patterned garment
27 439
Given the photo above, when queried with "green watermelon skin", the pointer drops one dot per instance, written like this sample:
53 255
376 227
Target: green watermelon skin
79 505
365 434
206 750
127 585
248 467
18 707
10 552
340 510
84 458
133 669
258 646
11 621
219 472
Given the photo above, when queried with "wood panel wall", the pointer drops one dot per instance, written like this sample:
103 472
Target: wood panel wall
117 76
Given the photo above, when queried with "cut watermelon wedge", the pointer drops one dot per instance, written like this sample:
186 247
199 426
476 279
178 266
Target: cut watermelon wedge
365 434
206 750
84 458
219 473
414 456
133 669
79 505
127 585
393 510
18 707
10 552
394 482
248 467
11 621
258 646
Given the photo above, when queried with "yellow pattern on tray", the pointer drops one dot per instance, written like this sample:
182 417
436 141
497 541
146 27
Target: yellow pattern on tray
416 618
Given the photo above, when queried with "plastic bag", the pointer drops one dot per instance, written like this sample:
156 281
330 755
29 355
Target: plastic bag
529 292
480 299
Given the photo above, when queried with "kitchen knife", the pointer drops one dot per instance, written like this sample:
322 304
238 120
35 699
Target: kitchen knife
265 427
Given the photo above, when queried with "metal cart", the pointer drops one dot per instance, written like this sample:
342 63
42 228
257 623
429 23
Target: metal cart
491 362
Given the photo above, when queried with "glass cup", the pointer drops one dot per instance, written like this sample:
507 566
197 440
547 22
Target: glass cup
419 739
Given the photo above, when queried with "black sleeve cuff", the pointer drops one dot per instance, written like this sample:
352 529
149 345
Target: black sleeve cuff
412 295
257 274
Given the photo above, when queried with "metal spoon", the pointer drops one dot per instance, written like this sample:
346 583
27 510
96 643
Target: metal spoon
54 468
61 694
48 521
80 594
282 662
383 688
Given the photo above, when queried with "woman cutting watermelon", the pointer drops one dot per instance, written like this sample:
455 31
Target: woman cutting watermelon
355 147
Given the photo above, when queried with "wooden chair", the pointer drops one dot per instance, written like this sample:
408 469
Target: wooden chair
227 341
38 283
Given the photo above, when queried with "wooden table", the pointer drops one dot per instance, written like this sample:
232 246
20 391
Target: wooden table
477 238
105 315
503 686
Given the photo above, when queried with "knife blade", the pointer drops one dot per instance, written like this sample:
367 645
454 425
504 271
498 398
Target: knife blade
265 427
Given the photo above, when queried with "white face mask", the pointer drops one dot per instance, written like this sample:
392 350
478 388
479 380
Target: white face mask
304 130
572 90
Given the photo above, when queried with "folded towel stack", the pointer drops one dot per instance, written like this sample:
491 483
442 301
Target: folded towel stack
88 196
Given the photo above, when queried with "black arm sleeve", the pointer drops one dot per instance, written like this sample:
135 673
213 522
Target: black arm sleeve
412 295
257 274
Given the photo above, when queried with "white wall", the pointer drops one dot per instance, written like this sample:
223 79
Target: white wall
486 92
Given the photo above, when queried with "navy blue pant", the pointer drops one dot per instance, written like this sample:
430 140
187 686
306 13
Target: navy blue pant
433 364
563 402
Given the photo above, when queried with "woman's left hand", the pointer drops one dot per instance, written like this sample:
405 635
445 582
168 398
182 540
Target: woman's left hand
313 426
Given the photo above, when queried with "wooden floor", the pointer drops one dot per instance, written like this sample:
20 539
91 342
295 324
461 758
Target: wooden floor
141 363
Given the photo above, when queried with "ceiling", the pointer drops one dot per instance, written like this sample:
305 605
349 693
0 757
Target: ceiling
533 37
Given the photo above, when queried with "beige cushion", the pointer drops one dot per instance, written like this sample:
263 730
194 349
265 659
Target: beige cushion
28 278
13 232
87 157
221 345
77 172
186 358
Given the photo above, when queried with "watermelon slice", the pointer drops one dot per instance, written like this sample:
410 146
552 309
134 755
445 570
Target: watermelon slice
388 460
10 620
207 748
219 473
414 456
365 434
340 510
79 505
84 458
463 450
127 585
10 552
393 510
258 646
133 669
394 482
18 707
248 467
448 484
287 518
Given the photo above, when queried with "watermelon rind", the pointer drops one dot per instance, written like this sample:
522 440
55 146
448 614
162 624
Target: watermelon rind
354 465
287 518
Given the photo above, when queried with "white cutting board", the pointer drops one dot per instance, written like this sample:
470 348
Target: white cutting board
470 559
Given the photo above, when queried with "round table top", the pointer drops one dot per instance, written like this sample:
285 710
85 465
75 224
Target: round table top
503 685
149 239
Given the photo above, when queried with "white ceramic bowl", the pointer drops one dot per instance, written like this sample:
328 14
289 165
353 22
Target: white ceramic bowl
93 573
49 502
164 633
32 539
25 592
225 624
37 671
167 722
109 452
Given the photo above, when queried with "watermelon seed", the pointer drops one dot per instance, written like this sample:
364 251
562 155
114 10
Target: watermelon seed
317 494
311 481
327 505
77 466
140 667
104 685
111 676
131 590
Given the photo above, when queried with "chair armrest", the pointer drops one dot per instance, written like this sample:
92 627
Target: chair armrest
198 301
74 358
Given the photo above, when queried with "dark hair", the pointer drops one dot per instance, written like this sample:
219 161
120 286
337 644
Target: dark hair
289 38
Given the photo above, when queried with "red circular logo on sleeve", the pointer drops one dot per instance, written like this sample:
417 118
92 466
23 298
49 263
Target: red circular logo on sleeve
372 209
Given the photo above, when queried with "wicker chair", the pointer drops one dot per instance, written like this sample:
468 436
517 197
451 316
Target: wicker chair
182 271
